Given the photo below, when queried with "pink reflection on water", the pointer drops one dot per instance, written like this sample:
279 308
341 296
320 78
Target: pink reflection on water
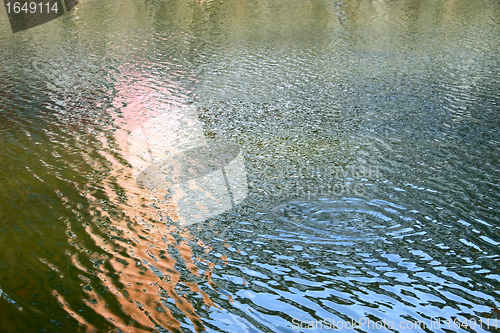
140 241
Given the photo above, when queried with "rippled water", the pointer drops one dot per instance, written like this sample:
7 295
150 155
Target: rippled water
369 179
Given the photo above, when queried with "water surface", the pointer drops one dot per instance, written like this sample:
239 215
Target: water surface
369 132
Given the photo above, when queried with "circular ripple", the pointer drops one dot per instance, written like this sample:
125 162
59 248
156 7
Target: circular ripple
349 218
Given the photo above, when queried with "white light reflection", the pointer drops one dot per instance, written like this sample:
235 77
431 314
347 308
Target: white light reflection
170 153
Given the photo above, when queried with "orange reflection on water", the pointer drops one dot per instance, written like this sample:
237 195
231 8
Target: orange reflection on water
138 270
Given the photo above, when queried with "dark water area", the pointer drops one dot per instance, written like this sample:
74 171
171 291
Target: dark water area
365 185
